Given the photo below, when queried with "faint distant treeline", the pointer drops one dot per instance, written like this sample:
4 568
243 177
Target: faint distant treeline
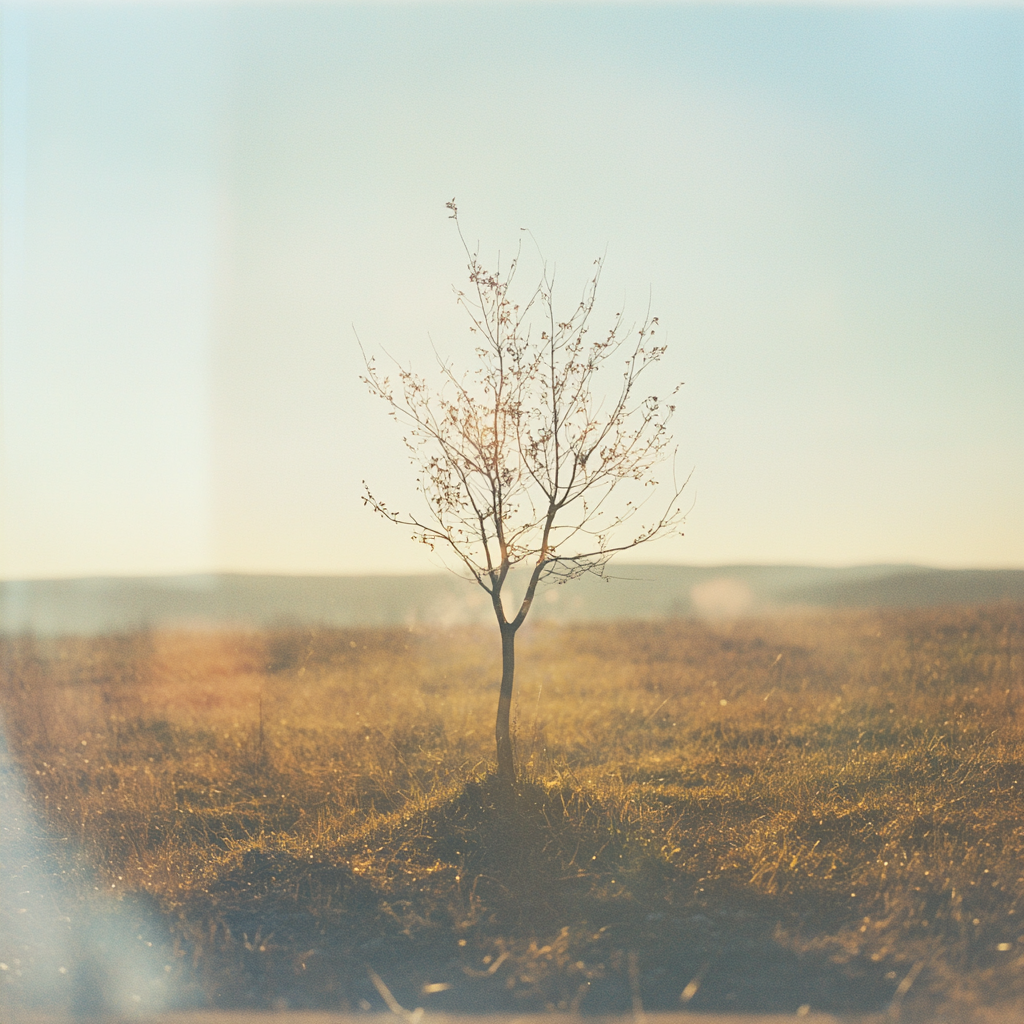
112 604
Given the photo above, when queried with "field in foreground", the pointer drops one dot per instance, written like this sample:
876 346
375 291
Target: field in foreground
816 811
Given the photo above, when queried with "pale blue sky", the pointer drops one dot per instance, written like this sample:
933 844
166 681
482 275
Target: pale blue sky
825 205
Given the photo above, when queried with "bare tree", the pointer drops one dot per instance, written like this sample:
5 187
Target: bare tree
523 460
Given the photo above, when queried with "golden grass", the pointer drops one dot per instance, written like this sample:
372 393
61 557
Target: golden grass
816 810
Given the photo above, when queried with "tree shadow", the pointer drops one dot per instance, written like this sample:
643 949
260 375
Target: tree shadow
495 900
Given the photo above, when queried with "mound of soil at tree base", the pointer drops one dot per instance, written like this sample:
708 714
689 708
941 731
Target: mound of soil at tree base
498 901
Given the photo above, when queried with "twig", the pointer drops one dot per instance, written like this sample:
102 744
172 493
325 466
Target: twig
893 1012
634 987
392 1003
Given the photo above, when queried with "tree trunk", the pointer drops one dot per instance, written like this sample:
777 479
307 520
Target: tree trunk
502 731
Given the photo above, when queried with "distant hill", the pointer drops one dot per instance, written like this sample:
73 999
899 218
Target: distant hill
108 604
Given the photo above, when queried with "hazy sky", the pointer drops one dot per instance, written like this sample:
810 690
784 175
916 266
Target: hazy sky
825 206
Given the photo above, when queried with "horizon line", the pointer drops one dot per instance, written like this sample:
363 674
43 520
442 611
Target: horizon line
208 573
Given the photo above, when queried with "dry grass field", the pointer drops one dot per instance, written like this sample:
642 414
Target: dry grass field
818 810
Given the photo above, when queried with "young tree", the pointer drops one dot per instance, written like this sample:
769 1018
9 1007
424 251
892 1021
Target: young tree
523 460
